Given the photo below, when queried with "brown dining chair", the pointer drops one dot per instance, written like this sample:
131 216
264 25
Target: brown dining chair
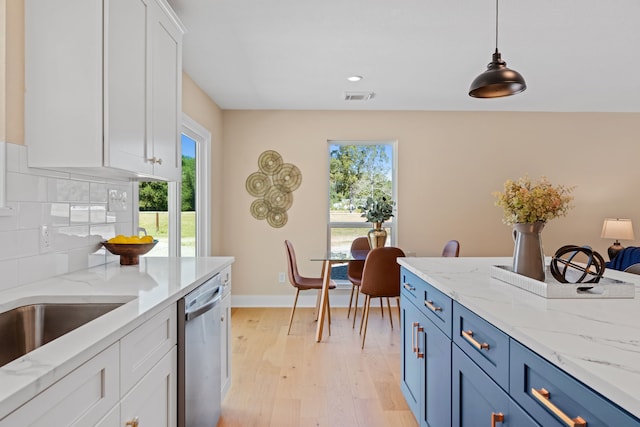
302 283
359 249
451 249
380 279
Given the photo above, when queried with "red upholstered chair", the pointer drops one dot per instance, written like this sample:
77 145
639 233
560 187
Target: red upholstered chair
451 249
359 250
302 283
380 279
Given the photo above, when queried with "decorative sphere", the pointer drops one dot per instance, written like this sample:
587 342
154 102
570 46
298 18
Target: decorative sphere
577 264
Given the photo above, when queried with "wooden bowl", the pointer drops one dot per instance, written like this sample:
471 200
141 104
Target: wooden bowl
129 252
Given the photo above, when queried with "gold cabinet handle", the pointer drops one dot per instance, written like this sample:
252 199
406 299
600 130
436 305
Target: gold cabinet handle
132 423
429 304
496 418
408 287
544 397
468 335
414 348
419 354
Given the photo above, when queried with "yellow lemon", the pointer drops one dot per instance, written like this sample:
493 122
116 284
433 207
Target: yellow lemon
118 239
146 239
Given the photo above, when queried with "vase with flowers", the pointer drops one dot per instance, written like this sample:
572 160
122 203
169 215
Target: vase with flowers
377 210
527 206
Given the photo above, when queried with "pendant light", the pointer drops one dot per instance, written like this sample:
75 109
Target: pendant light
498 80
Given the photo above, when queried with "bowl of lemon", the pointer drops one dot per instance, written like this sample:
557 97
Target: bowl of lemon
129 247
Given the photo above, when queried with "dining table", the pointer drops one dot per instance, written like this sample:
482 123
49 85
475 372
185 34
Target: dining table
328 260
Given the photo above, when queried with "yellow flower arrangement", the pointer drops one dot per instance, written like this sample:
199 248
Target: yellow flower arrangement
524 201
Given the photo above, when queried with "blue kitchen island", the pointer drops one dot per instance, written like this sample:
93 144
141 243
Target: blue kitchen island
479 351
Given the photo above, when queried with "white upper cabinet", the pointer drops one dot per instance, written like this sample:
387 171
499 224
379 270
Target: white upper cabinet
103 87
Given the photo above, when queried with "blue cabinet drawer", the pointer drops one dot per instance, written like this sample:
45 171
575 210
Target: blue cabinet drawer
555 398
478 401
483 343
434 304
411 286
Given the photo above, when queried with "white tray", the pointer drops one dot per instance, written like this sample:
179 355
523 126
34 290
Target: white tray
551 288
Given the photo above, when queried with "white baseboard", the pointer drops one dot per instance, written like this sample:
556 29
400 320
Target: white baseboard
338 298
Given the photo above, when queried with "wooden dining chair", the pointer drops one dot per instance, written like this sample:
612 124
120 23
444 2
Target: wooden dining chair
359 249
380 279
302 283
451 249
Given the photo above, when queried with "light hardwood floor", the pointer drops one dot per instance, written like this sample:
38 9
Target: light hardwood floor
281 380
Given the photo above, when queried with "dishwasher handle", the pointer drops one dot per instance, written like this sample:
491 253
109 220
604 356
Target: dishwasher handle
201 309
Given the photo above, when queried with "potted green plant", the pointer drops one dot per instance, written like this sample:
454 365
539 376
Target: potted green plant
377 210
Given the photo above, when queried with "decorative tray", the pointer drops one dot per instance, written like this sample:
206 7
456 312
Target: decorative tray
551 288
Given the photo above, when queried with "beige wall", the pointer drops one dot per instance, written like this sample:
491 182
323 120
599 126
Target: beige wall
197 105
449 164
12 71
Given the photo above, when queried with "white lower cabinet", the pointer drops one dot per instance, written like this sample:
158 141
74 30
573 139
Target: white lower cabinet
81 398
152 401
131 383
225 345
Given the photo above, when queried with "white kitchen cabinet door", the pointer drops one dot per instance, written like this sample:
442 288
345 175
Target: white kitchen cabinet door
165 89
81 398
125 101
103 87
152 401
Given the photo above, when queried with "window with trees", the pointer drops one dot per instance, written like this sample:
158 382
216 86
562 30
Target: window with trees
358 170
177 213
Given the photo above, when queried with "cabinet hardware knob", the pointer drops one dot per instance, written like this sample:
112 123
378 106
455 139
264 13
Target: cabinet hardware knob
408 287
159 161
468 335
429 304
544 397
152 159
496 418
132 423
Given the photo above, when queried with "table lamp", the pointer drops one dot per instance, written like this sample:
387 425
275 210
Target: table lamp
618 229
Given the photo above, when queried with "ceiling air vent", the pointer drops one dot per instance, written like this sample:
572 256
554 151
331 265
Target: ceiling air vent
358 96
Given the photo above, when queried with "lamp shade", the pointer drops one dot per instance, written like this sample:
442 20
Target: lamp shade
497 81
616 228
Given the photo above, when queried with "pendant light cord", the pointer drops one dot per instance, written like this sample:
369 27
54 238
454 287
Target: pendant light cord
496 25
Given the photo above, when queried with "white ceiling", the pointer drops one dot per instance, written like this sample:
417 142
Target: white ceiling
576 55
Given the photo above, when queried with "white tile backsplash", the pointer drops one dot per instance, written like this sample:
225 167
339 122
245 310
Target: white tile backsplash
75 210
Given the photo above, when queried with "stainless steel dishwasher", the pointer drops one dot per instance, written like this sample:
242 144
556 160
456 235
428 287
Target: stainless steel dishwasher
199 356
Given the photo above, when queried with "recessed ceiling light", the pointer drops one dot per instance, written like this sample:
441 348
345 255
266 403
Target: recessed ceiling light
354 78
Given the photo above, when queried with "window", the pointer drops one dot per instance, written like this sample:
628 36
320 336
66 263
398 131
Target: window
177 213
357 170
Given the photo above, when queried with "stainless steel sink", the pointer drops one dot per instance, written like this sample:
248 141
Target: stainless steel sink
28 327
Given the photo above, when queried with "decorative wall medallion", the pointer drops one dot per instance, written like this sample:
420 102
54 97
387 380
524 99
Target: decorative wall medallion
273 186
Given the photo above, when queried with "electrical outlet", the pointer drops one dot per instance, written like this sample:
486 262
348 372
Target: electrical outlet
281 277
117 200
45 238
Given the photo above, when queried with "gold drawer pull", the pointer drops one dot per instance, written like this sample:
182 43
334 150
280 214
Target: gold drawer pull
429 304
408 287
496 418
544 397
468 335
419 354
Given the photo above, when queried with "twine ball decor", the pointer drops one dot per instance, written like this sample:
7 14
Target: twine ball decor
577 264
273 186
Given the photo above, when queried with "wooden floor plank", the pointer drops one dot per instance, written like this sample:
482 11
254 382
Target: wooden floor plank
290 380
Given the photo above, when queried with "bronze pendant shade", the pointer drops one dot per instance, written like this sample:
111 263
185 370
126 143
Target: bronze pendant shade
498 80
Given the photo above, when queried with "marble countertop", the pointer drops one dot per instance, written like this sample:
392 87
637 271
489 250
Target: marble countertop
595 340
146 289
